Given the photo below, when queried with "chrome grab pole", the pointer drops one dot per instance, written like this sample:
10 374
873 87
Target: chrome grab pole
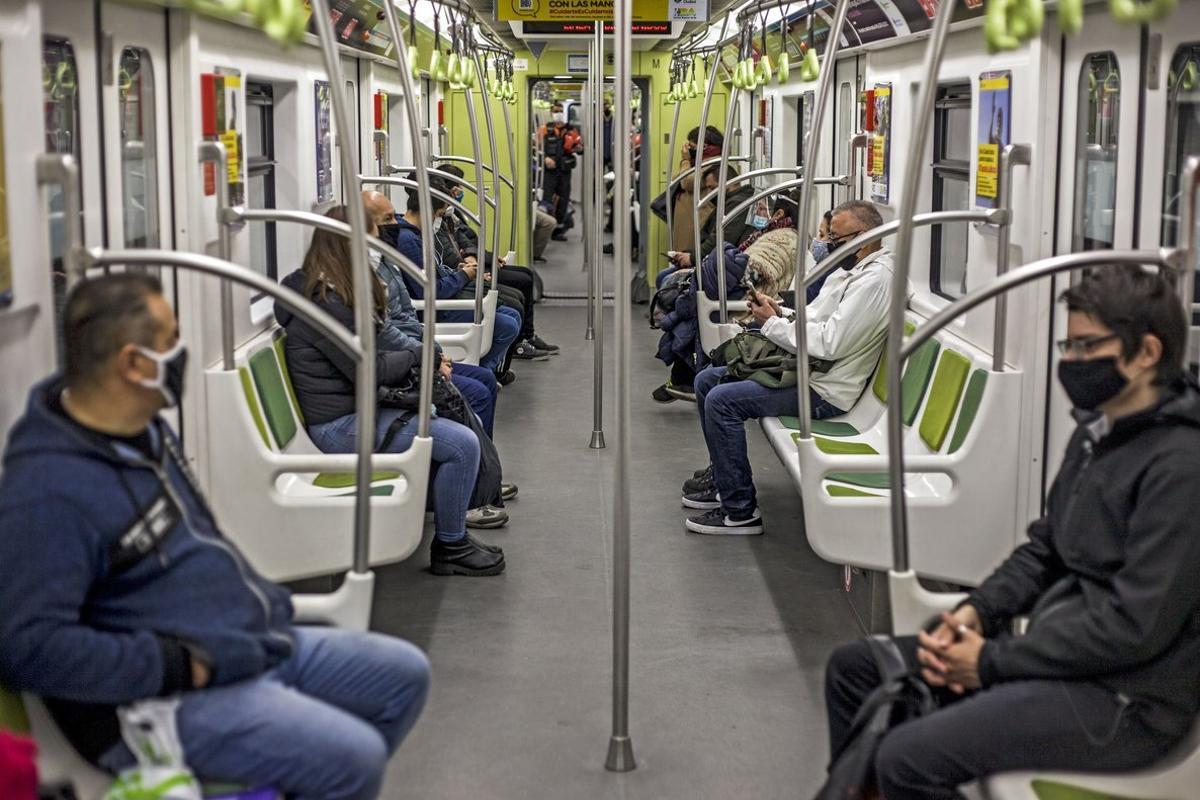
1189 219
491 132
510 180
62 169
506 180
409 183
722 190
596 279
828 67
704 163
670 163
589 194
425 205
697 170
1012 155
923 114
480 197
214 153
363 312
620 747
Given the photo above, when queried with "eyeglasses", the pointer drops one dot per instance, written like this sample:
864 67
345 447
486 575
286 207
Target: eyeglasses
837 241
1084 345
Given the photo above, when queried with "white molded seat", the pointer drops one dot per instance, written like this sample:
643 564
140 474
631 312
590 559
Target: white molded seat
464 341
712 334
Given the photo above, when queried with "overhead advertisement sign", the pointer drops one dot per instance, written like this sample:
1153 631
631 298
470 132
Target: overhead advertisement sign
587 10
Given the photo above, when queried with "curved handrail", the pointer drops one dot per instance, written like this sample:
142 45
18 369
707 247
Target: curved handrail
512 161
507 181
670 183
832 43
833 180
489 123
705 163
392 180
436 173
722 184
480 204
701 137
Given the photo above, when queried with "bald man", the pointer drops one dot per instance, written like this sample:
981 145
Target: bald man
477 384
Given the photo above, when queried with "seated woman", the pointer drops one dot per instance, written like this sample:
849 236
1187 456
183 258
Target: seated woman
324 380
767 256
819 248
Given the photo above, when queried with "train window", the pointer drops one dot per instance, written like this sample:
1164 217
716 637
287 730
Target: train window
60 101
1096 153
139 160
1183 133
845 123
260 170
951 188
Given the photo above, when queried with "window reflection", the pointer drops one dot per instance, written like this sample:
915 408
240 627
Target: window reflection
139 175
1096 153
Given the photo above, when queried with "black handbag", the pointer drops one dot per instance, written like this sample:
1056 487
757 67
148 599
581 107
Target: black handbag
658 207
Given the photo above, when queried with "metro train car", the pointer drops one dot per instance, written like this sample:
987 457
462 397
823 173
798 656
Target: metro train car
827 368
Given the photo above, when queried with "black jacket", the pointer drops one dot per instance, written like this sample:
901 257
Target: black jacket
737 228
323 375
1111 574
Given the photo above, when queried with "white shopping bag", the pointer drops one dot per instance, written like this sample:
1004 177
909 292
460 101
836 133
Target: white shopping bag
150 733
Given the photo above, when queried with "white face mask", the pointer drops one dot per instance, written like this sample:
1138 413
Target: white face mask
437 224
376 258
172 366
560 118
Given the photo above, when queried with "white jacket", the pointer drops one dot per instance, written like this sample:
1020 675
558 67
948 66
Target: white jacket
847 324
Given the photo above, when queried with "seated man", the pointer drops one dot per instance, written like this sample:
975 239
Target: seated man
543 228
847 325
117 584
1107 677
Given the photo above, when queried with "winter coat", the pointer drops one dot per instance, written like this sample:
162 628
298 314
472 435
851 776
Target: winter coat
737 229
1109 574
451 280
683 238
114 573
324 376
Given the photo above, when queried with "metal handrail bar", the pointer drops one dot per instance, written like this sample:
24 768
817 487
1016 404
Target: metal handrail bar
489 123
481 204
706 162
832 43
701 137
63 169
507 181
392 180
214 153
596 279
437 173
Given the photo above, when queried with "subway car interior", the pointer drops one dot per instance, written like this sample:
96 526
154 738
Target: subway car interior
902 292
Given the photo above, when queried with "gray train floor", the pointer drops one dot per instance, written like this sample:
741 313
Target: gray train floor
729 635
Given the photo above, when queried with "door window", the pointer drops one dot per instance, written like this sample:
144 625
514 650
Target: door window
1096 153
139 157
260 169
60 105
951 188
1183 134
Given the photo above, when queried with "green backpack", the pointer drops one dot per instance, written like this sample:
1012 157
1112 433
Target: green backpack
751 356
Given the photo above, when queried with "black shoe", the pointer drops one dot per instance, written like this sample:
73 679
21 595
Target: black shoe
541 344
539 260
558 237
491 548
716 523
681 392
704 499
703 479
528 352
661 395
508 491
464 557
505 378
608 249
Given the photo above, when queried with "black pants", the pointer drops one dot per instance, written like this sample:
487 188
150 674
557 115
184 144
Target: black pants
557 188
1034 724
515 290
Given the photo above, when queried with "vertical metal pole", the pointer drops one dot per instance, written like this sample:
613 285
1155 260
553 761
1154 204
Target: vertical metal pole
620 747
698 174
1187 234
473 123
671 173
364 316
214 153
1012 155
597 276
590 210
722 190
63 170
491 132
923 116
425 204
828 67
512 167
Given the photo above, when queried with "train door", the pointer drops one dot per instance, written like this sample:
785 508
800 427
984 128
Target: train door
134 96
1098 189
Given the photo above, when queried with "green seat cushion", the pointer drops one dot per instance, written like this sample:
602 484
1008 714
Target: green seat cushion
1049 790
376 491
264 366
12 712
824 427
943 400
834 490
871 480
879 385
280 352
916 378
342 480
837 447
972 399
252 401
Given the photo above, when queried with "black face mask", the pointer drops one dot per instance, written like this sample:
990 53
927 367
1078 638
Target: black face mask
390 233
848 261
1090 384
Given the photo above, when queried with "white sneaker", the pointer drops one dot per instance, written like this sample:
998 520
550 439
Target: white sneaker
717 524
487 517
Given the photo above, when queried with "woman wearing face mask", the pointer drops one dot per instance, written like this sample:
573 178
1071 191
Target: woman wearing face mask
324 379
819 248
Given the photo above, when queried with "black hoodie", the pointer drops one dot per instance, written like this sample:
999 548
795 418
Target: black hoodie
1111 574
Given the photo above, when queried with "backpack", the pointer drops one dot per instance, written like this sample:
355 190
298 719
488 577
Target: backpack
662 303
751 356
901 695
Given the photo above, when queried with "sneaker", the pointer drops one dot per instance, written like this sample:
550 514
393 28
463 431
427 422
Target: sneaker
464 557
715 522
508 491
486 517
505 378
541 344
681 392
661 395
558 237
703 479
527 352
705 498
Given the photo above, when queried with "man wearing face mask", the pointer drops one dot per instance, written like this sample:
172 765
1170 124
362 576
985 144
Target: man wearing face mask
847 328
560 145
118 585
736 230
1107 674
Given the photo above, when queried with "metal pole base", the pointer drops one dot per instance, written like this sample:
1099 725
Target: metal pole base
589 335
620 755
597 442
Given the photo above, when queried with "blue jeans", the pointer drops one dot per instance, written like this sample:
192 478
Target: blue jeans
455 458
724 409
508 327
320 726
479 388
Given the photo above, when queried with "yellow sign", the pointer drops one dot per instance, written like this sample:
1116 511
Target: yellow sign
878 149
233 164
987 177
576 10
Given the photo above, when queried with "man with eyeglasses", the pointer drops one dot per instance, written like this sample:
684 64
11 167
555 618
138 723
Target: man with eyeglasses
1107 676
847 327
